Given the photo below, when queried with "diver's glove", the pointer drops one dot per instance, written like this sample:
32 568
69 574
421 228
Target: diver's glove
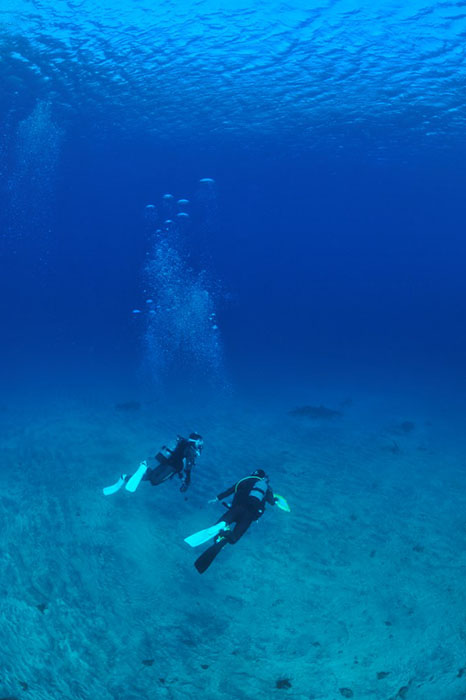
213 500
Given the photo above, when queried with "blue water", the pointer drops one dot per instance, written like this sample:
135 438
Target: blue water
333 134
321 149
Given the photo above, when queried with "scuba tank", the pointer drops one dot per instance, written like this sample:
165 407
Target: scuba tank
166 451
259 490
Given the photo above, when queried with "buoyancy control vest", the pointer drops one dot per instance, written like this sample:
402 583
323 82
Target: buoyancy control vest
259 490
172 453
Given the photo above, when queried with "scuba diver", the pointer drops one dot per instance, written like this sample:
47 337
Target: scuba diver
251 493
177 460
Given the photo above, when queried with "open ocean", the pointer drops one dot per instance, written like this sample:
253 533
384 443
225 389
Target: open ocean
243 220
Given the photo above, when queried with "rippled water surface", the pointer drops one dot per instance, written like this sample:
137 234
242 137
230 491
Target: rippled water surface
385 72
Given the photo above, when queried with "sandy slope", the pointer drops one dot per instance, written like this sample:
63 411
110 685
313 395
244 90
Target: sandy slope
359 590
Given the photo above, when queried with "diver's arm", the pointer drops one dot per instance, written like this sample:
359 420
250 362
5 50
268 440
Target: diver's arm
188 464
186 481
226 493
269 497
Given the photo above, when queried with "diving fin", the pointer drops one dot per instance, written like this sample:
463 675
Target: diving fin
203 562
108 490
282 503
135 480
205 535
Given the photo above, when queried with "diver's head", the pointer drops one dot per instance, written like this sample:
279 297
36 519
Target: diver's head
260 473
196 440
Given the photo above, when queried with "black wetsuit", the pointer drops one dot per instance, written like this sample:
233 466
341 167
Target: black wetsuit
180 461
251 495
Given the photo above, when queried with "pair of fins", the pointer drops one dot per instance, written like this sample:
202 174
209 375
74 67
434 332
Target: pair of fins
132 483
210 532
203 562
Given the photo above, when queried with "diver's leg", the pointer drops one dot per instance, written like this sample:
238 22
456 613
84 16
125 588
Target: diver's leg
231 515
159 474
242 524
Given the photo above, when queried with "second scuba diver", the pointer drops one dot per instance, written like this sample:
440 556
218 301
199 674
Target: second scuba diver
250 497
177 460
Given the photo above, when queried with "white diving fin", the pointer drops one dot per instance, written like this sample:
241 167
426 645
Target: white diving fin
108 490
135 480
205 535
282 503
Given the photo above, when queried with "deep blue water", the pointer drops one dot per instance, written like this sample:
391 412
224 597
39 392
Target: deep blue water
334 234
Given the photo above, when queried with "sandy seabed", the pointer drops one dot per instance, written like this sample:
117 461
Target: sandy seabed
358 592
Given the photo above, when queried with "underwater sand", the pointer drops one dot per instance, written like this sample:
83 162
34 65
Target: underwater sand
358 592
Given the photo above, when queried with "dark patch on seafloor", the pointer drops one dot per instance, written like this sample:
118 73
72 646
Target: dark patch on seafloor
394 448
315 412
128 406
404 428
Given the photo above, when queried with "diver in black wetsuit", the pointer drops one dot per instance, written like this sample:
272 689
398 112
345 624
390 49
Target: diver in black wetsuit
180 460
250 496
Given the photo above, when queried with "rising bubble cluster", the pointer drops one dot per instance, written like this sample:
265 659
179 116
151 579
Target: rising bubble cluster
35 147
181 332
